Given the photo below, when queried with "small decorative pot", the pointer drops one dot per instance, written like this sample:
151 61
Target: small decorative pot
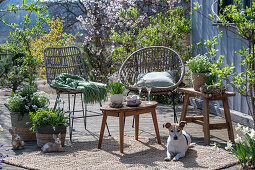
198 79
45 134
117 99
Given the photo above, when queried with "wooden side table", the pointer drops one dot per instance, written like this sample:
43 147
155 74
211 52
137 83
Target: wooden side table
204 120
128 111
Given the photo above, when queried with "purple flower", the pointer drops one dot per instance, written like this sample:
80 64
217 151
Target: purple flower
3 161
7 149
1 167
34 106
26 107
66 125
1 145
58 101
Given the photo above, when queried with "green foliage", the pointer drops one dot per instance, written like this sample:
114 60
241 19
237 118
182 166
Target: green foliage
116 87
27 100
244 148
20 43
244 19
200 64
44 117
98 63
168 29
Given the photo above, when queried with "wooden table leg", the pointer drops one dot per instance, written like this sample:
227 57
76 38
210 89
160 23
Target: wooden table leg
121 124
185 107
102 130
136 126
155 122
228 119
206 121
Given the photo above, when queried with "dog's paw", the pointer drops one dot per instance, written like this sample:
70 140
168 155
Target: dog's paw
175 158
167 159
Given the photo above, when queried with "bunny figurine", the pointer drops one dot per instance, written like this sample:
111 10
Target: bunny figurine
17 142
53 147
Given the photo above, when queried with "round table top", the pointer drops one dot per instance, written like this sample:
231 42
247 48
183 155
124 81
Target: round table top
143 105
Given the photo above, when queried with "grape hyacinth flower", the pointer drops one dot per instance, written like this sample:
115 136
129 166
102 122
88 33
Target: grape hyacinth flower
58 101
26 107
34 106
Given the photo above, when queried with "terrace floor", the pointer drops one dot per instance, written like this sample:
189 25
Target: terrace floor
164 114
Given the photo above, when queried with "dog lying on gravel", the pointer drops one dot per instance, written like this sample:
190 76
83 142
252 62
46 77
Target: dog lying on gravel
178 141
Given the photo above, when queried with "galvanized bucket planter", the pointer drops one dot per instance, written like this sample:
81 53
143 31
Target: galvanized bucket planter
20 123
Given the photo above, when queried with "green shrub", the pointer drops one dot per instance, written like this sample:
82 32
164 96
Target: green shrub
44 117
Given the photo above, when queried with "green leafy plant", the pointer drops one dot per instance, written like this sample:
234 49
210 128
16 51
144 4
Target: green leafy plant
169 29
27 100
200 64
244 148
43 117
244 26
25 64
116 87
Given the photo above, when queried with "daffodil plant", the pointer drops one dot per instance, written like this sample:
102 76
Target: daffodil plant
244 148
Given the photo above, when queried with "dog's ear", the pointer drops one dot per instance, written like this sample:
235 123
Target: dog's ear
182 123
167 125
11 131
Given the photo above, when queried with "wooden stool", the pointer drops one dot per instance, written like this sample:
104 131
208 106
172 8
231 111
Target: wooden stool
125 111
204 120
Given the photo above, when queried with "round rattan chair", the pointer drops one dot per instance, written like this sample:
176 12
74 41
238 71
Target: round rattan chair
67 60
152 59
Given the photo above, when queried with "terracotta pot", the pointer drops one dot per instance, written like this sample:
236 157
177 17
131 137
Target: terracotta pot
198 79
117 99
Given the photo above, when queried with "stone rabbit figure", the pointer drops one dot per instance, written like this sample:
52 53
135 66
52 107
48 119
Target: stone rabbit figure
17 142
53 147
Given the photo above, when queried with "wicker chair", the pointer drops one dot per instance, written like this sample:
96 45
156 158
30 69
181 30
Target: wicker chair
67 60
149 59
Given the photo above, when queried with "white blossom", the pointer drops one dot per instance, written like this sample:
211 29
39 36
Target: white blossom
229 145
215 147
252 133
245 130
239 127
238 139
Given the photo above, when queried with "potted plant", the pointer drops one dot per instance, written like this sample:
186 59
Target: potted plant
116 89
20 104
200 68
46 122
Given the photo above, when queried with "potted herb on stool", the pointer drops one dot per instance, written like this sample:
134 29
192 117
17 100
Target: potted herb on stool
200 68
116 89
20 104
46 122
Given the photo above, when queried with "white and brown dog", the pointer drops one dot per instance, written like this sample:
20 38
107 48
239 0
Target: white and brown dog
178 141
